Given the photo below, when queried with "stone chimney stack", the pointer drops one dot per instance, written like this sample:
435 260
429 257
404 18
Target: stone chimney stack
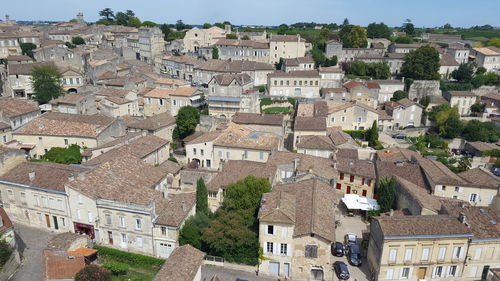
227 28
31 175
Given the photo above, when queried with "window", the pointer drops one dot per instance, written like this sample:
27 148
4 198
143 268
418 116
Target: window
338 186
164 230
194 151
341 176
351 178
457 252
442 253
477 254
122 221
360 120
425 254
90 216
270 229
202 152
160 101
408 254
473 271
473 197
283 249
311 251
78 214
209 163
228 154
65 141
245 154
343 118
405 273
269 247
80 199
390 273
438 271
392 255
138 224
124 238
149 101
452 271
108 218
333 119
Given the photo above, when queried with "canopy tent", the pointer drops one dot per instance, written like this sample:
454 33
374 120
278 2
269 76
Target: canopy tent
355 202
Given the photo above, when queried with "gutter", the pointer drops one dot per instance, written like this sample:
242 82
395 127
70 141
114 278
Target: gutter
34 187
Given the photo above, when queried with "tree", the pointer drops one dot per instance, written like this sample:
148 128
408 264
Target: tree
201 197
130 13
464 73
480 70
376 70
5 252
107 14
372 136
475 130
93 272
399 95
245 37
134 22
447 26
494 42
191 232
489 79
404 39
149 23
353 36
77 40
179 25
409 28
386 194
282 29
425 101
464 164
422 64
478 108
378 30
279 64
451 128
231 36
64 155
46 81
121 18
206 25
27 49
345 22
187 119
215 53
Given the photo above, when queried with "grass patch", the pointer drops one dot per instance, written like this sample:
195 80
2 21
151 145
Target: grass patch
276 110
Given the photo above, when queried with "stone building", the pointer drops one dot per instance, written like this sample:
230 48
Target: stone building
286 46
296 84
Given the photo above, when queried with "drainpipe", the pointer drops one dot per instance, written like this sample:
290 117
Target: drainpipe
466 257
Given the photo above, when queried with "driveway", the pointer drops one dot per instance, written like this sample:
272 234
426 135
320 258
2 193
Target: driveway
35 241
224 274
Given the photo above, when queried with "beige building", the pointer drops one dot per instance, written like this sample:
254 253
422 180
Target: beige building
487 57
83 103
325 145
18 84
10 158
159 100
363 92
404 113
61 129
287 47
462 100
269 123
197 38
307 126
331 77
356 177
15 113
296 84
235 142
181 67
476 186
296 229
234 49
161 125
151 45
118 107
351 116
258 71
432 247
297 64
72 79
33 193
459 52
185 97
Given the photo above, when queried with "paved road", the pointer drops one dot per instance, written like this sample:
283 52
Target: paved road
208 271
36 240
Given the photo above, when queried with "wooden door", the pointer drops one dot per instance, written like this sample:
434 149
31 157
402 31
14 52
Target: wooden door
110 237
47 220
56 225
422 271
348 190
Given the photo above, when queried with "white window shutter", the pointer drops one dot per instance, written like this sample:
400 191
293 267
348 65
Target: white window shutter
454 252
434 270
289 250
473 271
410 272
276 248
457 271
264 246
462 251
390 273
460 189
444 273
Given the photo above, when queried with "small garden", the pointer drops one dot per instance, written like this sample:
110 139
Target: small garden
125 266
277 106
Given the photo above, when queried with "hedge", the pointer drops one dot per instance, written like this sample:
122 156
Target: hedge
492 152
129 258
117 268
356 134
265 101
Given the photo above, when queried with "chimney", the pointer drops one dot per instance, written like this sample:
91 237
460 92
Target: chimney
31 175
227 28
71 178
295 164
462 218
183 206
391 213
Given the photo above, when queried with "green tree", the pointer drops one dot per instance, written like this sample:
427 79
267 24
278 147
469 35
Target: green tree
386 194
463 73
179 25
464 164
107 14
93 272
148 23
422 64
359 68
206 25
27 49
121 18
231 36
451 128
191 232
245 194
372 136
279 64
404 39
134 22
64 155
378 30
425 101
201 197
77 40
447 26
215 53
494 42
5 252
282 29
46 81
480 70
478 108
409 29
399 95
379 70
475 130
353 36
345 22
187 119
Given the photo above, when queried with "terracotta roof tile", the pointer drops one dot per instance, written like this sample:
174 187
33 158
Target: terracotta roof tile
410 226
182 265
11 107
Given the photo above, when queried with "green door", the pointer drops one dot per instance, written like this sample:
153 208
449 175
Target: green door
56 225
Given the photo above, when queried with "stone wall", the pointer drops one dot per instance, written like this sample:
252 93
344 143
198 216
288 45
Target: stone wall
422 88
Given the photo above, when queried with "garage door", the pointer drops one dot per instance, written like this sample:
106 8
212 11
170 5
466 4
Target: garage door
274 268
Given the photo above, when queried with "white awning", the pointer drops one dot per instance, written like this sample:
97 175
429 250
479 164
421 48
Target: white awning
355 202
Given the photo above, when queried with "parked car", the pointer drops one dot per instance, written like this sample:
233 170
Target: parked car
410 127
354 255
341 270
399 136
350 238
496 172
338 249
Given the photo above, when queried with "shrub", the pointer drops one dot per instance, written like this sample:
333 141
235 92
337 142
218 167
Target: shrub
5 252
129 258
173 159
93 273
265 101
356 134
292 100
261 88
117 268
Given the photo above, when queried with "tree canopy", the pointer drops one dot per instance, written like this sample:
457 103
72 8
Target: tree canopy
386 194
46 81
353 36
77 40
64 155
27 49
215 53
187 119
464 73
378 30
409 28
376 70
422 64
201 197
447 120
399 95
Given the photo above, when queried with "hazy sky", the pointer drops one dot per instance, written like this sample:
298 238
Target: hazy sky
427 13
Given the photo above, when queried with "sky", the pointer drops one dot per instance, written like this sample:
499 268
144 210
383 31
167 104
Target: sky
423 13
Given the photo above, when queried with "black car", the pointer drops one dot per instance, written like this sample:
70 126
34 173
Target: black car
341 270
399 136
337 249
354 255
